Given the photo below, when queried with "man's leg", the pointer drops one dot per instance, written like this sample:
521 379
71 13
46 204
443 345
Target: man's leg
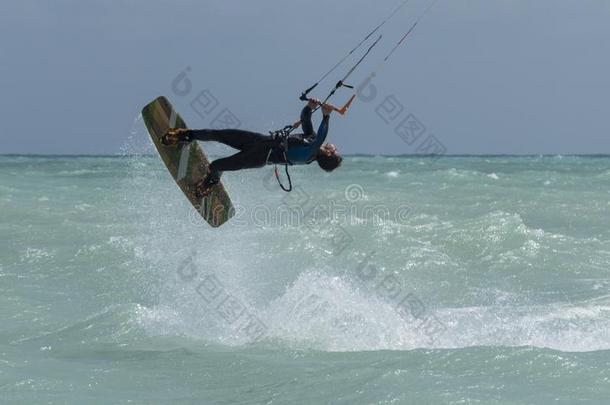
241 160
235 138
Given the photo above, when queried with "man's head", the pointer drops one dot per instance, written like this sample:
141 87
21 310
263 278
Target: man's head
328 158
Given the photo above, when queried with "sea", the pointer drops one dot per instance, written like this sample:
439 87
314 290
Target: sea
394 280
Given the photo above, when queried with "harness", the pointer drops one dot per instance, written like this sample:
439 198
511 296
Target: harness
281 138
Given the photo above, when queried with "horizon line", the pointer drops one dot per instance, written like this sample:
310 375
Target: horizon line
406 155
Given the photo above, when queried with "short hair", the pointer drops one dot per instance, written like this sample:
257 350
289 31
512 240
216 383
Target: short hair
329 162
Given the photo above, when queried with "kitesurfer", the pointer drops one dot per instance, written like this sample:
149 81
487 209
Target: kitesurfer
256 150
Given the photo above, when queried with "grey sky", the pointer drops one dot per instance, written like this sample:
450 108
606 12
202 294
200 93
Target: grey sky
483 76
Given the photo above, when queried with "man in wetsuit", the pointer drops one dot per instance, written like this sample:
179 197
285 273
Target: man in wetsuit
257 150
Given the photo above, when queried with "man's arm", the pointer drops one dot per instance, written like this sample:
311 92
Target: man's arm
322 132
306 114
323 129
314 142
308 132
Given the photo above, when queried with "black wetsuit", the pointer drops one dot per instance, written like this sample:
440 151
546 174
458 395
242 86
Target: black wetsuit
257 150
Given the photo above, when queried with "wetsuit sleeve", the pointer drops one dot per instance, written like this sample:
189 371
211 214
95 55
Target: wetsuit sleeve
322 133
306 121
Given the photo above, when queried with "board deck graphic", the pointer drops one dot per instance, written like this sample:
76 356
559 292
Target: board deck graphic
187 163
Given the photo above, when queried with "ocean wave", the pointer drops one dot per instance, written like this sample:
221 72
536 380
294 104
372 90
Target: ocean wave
334 313
112 324
393 174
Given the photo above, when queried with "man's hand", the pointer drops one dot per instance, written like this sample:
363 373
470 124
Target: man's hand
327 109
313 103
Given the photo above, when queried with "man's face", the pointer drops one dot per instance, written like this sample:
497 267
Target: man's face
328 149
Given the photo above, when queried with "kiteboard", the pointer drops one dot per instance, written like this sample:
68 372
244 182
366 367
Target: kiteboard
187 163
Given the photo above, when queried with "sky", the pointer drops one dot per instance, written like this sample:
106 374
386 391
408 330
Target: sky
475 77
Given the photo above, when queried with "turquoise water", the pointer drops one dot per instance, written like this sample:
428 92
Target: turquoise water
412 281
